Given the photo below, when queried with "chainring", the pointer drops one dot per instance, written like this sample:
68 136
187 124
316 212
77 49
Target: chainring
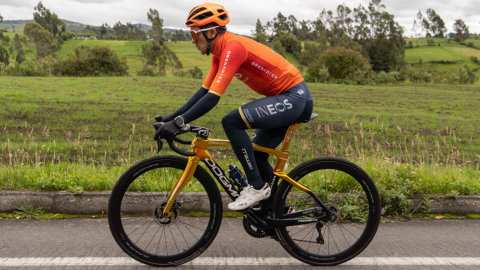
253 230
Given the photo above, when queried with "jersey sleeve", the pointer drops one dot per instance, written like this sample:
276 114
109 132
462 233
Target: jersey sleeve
233 56
212 73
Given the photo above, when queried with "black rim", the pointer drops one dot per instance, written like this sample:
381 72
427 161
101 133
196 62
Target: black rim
356 206
135 209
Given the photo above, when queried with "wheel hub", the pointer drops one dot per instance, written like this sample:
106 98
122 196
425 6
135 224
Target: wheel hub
333 218
158 217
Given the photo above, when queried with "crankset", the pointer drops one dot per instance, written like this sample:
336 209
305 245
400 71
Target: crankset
253 230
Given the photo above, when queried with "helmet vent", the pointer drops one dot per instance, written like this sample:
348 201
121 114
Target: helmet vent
220 10
203 16
195 12
223 17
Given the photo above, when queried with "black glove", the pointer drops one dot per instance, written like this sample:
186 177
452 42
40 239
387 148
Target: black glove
170 117
167 131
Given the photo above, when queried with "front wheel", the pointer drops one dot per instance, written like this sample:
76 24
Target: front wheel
136 205
348 192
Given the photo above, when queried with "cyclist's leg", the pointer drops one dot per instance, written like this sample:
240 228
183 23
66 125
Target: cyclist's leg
271 138
266 113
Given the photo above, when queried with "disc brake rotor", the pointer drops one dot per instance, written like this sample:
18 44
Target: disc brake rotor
158 217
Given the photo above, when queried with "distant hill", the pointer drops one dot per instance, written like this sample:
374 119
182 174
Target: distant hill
17 26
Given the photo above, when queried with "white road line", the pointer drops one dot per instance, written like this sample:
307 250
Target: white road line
112 261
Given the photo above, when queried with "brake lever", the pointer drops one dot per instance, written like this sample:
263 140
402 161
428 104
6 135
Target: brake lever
159 145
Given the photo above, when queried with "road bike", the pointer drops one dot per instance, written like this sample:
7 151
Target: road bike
325 211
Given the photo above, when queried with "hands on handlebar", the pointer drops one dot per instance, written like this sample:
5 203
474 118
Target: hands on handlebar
201 131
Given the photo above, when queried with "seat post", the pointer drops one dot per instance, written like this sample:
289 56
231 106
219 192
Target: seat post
288 137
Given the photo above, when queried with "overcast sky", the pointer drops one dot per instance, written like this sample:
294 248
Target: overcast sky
243 13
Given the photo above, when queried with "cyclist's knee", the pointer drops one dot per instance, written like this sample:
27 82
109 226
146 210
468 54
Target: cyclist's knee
233 120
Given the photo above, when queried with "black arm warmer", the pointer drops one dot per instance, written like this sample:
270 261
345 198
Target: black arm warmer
194 99
203 106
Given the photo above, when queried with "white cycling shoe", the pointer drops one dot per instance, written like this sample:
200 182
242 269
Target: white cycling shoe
250 196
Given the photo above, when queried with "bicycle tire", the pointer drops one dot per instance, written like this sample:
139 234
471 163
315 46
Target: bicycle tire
360 203
127 208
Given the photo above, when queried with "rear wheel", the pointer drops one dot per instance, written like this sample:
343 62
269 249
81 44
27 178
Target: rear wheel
136 205
348 192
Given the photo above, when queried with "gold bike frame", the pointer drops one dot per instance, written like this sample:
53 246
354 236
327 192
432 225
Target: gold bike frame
199 146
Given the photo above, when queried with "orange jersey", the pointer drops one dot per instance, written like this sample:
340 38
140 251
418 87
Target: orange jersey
263 70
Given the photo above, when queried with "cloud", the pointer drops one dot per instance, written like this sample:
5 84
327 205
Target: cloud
244 13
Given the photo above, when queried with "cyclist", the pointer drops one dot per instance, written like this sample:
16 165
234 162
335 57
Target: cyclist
287 97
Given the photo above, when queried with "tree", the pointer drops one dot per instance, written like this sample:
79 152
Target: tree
431 25
311 54
437 25
4 57
1 18
376 30
259 34
280 24
156 32
47 20
179 35
461 29
44 41
341 62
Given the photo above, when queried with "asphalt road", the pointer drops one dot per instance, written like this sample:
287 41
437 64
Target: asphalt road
78 239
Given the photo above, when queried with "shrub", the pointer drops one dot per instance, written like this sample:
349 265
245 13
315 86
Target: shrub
27 68
430 42
4 58
92 62
292 44
148 70
474 59
357 78
410 44
384 78
470 74
195 73
311 53
317 73
278 47
471 44
340 62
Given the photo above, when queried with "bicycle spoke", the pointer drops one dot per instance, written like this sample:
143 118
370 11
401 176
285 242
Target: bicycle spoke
173 239
166 246
191 225
144 232
346 240
153 237
178 227
135 221
298 232
138 227
189 230
349 231
159 240
335 242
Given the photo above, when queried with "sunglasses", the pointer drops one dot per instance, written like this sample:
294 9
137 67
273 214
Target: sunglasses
195 33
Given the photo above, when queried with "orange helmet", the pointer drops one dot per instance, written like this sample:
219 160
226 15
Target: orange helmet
207 13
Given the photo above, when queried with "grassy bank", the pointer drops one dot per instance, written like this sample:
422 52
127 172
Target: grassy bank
53 126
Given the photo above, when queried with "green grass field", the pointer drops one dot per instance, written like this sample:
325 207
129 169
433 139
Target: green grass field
452 52
185 50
